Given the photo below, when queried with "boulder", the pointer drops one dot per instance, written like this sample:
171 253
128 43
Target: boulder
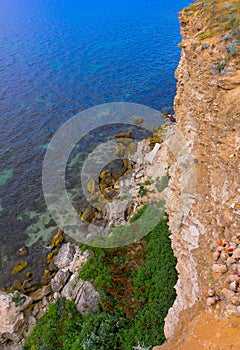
59 280
64 256
117 209
87 299
83 293
12 321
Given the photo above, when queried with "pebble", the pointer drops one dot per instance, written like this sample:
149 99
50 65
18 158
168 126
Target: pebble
233 286
236 254
210 293
238 310
230 261
210 301
216 255
218 268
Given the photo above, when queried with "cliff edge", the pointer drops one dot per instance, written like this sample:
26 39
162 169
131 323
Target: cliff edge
205 240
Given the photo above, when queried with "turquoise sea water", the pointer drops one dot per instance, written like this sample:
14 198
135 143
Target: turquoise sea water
56 59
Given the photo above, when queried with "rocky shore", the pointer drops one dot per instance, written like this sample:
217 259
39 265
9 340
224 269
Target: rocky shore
201 159
138 184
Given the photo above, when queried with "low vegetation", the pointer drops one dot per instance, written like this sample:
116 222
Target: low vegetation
136 287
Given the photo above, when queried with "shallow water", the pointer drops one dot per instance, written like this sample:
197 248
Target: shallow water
56 59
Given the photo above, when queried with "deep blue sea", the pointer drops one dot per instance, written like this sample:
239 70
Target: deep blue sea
57 58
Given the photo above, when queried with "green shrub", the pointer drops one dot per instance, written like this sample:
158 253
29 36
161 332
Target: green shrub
136 287
206 35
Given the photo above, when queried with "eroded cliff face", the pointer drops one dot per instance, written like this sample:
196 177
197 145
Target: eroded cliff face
207 107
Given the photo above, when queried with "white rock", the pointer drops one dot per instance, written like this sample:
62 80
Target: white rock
80 257
233 286
151 155
64 256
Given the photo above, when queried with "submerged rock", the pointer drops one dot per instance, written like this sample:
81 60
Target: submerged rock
19 267
40 293
57 239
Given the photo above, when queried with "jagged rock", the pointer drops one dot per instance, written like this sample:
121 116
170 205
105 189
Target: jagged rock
12 321
40 293
64 256
58 282
87 300
80 257
117 209
238 310
83 292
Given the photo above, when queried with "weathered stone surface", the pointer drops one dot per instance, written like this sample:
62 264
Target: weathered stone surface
40 293
58 282
65 255
117 209
80 257
206 120
83 292
87 300
12 322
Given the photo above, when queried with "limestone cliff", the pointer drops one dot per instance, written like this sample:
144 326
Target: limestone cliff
207 111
